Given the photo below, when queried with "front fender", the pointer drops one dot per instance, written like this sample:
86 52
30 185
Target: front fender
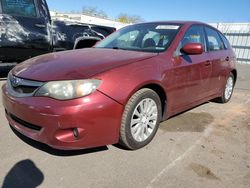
122 82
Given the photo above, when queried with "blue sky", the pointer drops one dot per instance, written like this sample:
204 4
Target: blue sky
153 10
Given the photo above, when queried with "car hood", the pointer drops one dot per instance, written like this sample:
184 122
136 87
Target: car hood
76 64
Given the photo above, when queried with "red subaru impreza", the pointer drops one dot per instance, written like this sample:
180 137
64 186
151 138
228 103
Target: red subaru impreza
121 89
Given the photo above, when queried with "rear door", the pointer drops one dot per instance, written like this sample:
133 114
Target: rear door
219 58
25 29
190 72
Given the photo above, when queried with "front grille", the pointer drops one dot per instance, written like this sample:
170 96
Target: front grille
19 87
24 123
25 89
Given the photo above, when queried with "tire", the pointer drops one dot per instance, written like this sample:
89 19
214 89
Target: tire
228 90
141 119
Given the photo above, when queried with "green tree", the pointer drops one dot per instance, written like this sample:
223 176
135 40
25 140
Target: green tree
126 18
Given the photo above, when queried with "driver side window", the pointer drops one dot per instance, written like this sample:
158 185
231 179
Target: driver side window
195 34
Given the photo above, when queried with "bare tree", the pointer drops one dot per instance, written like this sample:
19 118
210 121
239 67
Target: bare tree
92 11
102 14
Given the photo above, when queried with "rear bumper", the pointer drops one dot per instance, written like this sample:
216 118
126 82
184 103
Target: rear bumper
95 118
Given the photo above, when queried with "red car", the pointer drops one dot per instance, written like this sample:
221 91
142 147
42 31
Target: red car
120 90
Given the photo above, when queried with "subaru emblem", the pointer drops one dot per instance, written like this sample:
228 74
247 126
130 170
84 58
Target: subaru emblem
15 82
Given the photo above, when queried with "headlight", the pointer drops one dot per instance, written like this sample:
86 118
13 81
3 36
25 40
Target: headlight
65 90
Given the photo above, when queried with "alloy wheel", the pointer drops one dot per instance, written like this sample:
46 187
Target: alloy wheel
144 119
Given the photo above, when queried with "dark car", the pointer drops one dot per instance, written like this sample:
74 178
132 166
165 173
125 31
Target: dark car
120 90
71 35
26 30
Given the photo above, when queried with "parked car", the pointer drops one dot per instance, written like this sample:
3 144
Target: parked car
26 30
70 35
120 90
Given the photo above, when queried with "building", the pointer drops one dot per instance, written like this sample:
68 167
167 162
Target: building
73 17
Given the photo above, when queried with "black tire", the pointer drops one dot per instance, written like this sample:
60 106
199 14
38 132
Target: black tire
126 138
223 99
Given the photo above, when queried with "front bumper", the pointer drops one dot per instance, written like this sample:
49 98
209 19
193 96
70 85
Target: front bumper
95 118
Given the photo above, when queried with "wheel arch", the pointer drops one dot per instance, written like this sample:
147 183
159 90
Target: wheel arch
234 72
161 93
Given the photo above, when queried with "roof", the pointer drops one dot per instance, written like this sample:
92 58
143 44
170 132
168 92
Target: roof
176 22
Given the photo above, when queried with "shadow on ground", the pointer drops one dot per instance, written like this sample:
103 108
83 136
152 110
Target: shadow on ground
188 122
23 174
51 151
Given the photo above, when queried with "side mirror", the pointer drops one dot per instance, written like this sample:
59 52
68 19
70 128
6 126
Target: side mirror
192 49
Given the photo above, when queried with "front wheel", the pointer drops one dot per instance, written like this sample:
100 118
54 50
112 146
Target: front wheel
228 90
141 119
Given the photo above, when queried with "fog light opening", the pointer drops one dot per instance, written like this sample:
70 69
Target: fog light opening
75 133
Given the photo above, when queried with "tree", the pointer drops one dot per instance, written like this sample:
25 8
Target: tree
92 11
125 18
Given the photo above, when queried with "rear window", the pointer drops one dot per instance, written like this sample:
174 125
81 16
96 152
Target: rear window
25 8
214 41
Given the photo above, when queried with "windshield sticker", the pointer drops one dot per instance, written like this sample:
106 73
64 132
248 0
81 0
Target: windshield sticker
174 27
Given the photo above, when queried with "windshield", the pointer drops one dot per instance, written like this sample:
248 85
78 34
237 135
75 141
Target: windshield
147 37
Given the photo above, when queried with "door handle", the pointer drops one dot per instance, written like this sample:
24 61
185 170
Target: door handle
208 63
40 25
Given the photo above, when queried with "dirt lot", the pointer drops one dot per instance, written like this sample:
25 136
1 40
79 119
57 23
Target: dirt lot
208 146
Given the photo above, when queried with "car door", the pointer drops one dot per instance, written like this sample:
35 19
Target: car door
190 72
26 26
219 58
